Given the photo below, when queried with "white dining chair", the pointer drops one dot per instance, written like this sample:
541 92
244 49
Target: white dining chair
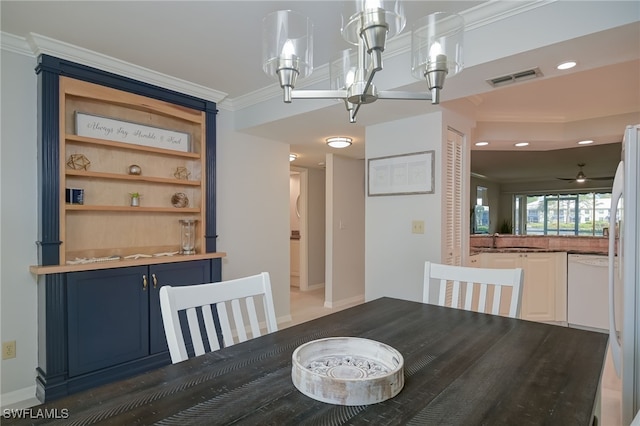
237 294
468 288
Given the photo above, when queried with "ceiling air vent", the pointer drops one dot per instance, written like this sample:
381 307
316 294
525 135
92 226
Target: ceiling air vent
515 77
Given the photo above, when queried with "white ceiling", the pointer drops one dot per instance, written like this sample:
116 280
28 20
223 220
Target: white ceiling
216 44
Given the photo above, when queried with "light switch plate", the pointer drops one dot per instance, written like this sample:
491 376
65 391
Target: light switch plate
417 227
9 349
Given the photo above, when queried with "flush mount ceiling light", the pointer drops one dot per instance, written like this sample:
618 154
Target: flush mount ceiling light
520 144
339 142
292 157
585 142
436 52
566 65
482 143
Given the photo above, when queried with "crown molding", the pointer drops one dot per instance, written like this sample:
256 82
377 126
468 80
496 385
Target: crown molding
35 45
14 44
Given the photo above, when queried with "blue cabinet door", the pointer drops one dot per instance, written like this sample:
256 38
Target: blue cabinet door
173 274
108 318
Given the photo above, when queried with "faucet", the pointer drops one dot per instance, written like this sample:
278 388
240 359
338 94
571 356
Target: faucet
495 236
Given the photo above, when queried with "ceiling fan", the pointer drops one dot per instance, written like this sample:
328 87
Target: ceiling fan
581 177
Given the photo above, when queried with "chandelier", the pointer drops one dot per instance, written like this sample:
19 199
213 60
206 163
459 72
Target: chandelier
436 52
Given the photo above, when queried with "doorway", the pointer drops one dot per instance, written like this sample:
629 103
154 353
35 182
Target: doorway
298 188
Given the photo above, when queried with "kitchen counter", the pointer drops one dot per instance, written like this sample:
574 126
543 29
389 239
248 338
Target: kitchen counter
538 243
476 250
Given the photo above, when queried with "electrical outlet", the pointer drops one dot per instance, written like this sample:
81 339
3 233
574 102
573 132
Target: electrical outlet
417 227
9 349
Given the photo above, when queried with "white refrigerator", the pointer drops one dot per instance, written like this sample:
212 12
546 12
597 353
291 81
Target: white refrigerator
624 220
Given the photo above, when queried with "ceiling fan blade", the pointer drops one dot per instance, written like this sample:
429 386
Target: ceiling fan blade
588 178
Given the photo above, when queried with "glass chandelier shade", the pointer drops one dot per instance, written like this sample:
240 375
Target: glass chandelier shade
343 70
436 49
361 18
287 47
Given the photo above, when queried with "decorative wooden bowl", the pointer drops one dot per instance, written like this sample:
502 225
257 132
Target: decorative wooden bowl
347 371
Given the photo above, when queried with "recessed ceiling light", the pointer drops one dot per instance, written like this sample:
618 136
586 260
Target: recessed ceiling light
482 143
522 144
292 157
585 142
566 65
339 142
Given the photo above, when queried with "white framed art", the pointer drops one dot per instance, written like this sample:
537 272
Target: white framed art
402 174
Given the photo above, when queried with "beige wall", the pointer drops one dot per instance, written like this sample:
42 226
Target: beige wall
253 212
394 255
316 218
345 231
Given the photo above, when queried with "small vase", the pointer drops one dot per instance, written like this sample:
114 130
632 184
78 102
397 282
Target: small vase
135 201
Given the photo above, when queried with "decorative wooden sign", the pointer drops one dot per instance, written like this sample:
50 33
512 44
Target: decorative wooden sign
98 127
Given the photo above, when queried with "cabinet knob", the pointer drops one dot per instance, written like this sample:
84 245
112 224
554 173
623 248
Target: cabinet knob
155 280
144 282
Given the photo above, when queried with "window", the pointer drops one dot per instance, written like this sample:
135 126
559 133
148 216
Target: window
562 214
481 211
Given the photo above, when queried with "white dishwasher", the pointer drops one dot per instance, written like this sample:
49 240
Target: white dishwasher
588 291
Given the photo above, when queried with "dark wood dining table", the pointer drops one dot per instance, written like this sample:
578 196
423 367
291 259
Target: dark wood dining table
460 367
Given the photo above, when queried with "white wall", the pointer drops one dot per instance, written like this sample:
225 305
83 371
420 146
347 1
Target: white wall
394 256
345 282
18 224
253 208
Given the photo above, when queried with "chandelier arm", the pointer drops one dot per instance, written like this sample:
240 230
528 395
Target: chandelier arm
369 81
353 113
319 94
388 94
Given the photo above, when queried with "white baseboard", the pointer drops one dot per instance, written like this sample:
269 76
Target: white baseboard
345 302
315 286
26 396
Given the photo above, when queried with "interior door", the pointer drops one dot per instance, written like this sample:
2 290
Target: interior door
454 200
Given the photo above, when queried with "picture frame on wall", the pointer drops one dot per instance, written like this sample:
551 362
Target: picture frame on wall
403 174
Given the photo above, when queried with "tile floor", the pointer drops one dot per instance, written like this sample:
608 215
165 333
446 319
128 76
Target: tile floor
307 305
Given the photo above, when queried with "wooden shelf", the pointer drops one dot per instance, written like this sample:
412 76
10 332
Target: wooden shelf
131 178
107 184
129 209
86 140
56 269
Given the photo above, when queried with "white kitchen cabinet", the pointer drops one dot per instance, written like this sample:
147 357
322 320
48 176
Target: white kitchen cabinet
544 294
475 260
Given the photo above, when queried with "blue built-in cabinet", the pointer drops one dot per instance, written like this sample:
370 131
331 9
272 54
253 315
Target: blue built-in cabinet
101 321
114 314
